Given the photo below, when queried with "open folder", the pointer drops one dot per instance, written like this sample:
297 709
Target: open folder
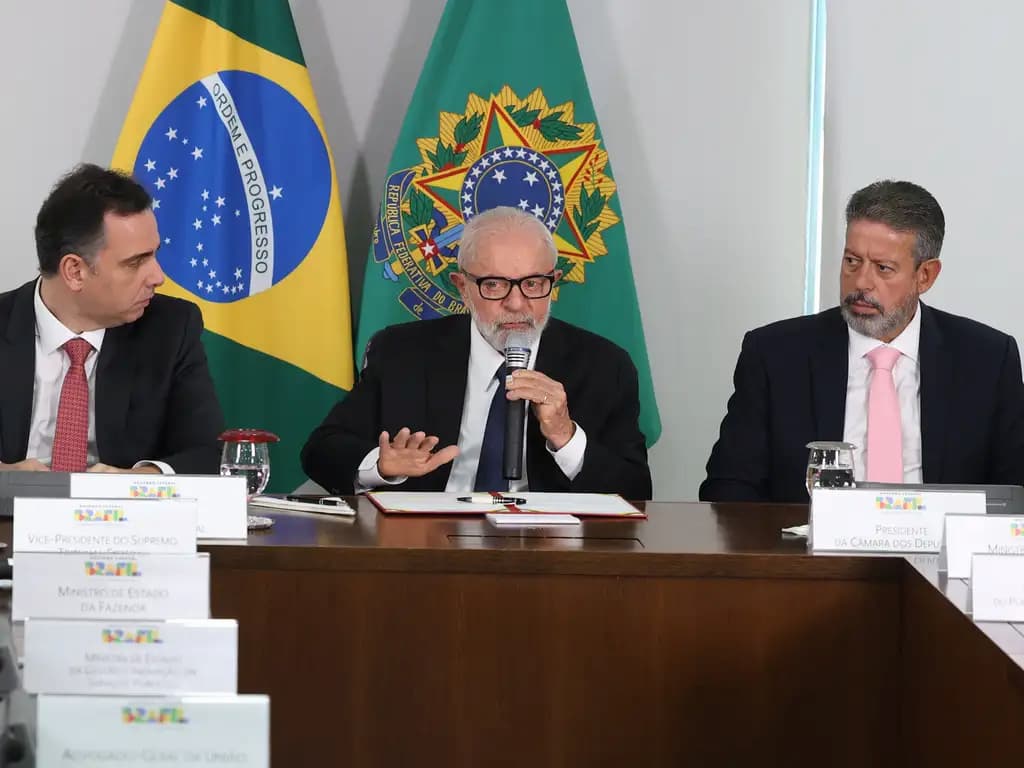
581 504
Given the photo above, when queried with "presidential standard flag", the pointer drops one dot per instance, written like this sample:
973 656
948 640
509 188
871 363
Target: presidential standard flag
225 133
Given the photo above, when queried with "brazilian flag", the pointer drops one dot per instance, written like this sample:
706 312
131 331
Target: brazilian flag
226 135
502 116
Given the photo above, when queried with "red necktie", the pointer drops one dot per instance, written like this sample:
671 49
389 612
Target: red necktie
70 441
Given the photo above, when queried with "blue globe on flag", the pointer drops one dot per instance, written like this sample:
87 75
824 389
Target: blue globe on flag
241 182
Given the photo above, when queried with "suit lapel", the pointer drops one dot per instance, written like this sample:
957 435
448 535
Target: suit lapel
446 369
18 381
936 387
115 371
829 370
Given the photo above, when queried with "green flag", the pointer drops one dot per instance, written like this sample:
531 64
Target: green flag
502 116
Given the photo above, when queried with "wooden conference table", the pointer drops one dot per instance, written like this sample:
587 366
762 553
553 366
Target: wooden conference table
701 636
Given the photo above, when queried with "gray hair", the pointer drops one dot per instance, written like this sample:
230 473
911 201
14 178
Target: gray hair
500 219
904 207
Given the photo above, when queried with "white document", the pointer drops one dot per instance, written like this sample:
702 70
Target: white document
966 535
133 587
105 525
221 500
131 658
121 732
871 520
272 502
522 519
596 504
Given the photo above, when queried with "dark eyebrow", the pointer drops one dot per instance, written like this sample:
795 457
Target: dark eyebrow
140 256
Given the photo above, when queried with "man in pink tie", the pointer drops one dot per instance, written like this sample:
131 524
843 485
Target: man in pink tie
100 373
925 396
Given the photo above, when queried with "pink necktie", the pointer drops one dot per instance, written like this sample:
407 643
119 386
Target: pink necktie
885 437
70 440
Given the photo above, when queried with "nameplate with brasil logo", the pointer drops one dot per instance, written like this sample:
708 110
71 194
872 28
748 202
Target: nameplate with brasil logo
131 657
869 520
122 731
165 526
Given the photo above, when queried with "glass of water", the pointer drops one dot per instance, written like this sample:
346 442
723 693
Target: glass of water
246 454
829 465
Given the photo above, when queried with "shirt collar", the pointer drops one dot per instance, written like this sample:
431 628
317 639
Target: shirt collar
908 342
485 359
53 334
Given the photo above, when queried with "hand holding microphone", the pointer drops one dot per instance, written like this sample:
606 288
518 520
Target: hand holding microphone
547 396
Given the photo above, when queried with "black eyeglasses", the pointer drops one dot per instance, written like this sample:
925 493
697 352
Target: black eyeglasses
497 288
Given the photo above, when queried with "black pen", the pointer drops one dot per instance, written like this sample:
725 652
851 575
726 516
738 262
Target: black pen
481 498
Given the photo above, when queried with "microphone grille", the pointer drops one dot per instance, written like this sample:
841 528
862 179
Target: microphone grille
517 350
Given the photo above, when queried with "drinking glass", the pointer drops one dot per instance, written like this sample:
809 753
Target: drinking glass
246 453
829 465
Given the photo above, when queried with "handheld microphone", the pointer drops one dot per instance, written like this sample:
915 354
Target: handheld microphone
517 358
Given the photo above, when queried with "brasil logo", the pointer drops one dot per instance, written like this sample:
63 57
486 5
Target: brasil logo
153 715
503 150
147 636
112 568
241 181
100 515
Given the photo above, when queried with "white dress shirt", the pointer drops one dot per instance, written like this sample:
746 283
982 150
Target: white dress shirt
480 388
52 364
906 374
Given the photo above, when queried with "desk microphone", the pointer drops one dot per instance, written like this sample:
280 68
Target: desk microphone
517 358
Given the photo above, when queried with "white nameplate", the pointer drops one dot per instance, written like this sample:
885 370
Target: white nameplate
221 500
128 732
997 587
131 658
985 534
870 520
104 525
133 587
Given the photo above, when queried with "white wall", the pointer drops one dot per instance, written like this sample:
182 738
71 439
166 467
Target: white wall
931 92
703 106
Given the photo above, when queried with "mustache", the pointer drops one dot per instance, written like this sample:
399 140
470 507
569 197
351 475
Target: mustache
859 297
526 319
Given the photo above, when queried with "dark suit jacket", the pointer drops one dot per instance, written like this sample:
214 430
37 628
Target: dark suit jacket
790 389
415 376
154 395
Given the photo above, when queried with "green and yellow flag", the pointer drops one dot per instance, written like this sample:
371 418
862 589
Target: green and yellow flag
502 116
225 133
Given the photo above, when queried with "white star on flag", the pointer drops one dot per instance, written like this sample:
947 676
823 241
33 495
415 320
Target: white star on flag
209 287
167 241
199 247
156 205
499 176
206 194
429 248
509 152
524 204
237 212
467 197
201 102
160 183
520 152
213 273
538 211
197 153
199 284
220 202
198 223
215 220
276 192
206 263
150 165
238 274
172 173
193 262
531 178
172 133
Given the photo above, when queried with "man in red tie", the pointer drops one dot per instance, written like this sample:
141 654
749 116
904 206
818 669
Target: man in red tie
100 373
925 396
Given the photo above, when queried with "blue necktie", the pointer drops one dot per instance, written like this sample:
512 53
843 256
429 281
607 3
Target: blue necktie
490 469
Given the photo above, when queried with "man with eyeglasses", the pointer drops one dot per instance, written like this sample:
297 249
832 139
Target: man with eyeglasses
423 413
